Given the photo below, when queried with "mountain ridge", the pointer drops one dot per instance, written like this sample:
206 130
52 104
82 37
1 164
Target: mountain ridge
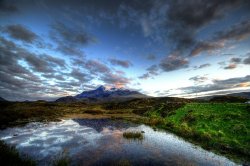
103 93
2 99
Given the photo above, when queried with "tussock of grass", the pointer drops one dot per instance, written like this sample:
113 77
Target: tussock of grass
133 135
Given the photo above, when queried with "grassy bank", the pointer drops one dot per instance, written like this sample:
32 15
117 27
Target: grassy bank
16 113
223 127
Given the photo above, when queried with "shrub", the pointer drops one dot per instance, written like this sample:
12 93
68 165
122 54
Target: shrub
133 135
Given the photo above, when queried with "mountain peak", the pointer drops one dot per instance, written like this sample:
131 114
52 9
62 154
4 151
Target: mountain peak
101 88
108 92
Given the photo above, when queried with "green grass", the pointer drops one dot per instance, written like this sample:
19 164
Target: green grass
133 135
224 127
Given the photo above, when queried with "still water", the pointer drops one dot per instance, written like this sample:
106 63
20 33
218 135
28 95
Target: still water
100 142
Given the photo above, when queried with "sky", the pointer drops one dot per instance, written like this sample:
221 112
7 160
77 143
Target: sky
55 48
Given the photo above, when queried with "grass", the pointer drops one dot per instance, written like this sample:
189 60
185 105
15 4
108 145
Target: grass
61 160
9 156
16 113
133 135
223 127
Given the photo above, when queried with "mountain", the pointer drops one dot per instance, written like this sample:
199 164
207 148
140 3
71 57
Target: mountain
66 99
231 99
240 96
2 99
103 94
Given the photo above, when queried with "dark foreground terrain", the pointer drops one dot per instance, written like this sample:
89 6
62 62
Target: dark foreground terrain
218 125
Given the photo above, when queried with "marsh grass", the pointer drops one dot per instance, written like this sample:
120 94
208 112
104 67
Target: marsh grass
10 156
133 135
61 159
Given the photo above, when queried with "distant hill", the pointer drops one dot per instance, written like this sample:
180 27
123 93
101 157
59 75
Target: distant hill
103 94
240 97
67 99
2 99
231 99
241 94
245 95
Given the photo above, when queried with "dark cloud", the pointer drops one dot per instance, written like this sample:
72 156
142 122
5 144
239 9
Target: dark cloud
198 79
20 32
235 60
230 66
55 61
219 85
144 76
151 72
177 21
59 77
202 66
43 63
26 75
186 17
246 61
235 33
70 39
96 67
9 56
115 80
7 8
122 63
205 46
79 75
173 62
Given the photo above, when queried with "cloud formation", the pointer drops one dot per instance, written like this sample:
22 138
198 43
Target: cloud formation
70 40
235 33
198 79
231 66
122 63
202 66
59 54
27 75
151 72
7 7
219 85
173 62
246 61
20 32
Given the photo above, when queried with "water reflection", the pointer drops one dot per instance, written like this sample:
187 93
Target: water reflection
101 142
99 124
